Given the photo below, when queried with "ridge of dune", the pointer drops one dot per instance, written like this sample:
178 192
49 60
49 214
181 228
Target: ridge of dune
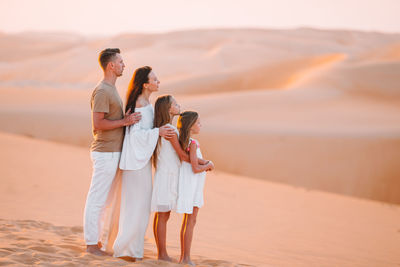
198 55
372 79
389 52
34 45
274 225
315 67
282 75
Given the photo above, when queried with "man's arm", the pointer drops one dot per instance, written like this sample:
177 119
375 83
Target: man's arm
100 123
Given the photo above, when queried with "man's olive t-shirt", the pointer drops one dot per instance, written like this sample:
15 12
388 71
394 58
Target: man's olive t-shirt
105 98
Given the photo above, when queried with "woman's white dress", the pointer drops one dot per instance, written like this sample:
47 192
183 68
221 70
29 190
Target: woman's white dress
135 163
190 186
165 187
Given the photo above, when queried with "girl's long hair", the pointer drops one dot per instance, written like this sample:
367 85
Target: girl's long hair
185 123
161 117
135 88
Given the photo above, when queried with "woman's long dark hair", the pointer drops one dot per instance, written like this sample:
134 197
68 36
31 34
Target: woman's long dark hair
161 117
185 123
135 88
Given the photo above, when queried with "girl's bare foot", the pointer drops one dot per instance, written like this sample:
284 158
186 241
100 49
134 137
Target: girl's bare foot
187 262
164 258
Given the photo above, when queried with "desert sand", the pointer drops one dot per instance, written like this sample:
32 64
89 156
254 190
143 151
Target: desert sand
245 222
303 125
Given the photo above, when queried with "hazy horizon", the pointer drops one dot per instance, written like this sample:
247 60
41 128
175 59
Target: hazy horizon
98 35
99 18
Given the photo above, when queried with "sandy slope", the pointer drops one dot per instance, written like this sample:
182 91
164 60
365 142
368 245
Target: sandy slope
244 221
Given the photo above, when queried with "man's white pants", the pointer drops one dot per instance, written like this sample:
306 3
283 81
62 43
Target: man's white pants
105 166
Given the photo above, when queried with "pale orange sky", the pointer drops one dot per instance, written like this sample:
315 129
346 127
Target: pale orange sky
118 16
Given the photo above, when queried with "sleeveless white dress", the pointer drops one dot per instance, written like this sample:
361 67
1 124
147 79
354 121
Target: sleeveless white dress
165 187
190 186
139 143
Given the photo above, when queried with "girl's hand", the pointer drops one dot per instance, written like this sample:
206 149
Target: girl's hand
211 166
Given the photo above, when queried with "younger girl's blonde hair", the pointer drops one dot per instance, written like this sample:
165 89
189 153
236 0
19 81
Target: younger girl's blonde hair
185 122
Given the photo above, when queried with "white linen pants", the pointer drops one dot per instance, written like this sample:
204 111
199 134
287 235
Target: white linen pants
105 166
134 213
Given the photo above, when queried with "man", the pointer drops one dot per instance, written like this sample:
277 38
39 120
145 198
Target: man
108 123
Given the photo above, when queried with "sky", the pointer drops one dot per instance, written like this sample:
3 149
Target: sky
109 17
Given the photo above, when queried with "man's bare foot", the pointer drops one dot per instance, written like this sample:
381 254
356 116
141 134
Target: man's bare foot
95 250
187 262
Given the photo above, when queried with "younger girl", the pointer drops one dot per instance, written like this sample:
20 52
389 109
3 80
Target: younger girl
166 161
191 180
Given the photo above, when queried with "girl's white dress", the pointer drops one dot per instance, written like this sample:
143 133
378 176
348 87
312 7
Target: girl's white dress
135 163
190 186
165 187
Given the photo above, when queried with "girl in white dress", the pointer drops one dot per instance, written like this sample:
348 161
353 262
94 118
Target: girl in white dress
135 163
191 180
167 162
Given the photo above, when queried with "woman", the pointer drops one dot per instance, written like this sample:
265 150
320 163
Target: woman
139 143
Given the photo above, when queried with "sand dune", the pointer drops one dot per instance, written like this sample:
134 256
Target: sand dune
316 139
282 75
368 79
45 184
184 54
34 45
311 108
387 53
342 145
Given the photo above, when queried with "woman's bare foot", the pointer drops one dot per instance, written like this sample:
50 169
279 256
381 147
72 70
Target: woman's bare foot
95 250
130 259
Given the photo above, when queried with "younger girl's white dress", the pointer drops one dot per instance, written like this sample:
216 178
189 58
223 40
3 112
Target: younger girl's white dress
190 186
165 187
